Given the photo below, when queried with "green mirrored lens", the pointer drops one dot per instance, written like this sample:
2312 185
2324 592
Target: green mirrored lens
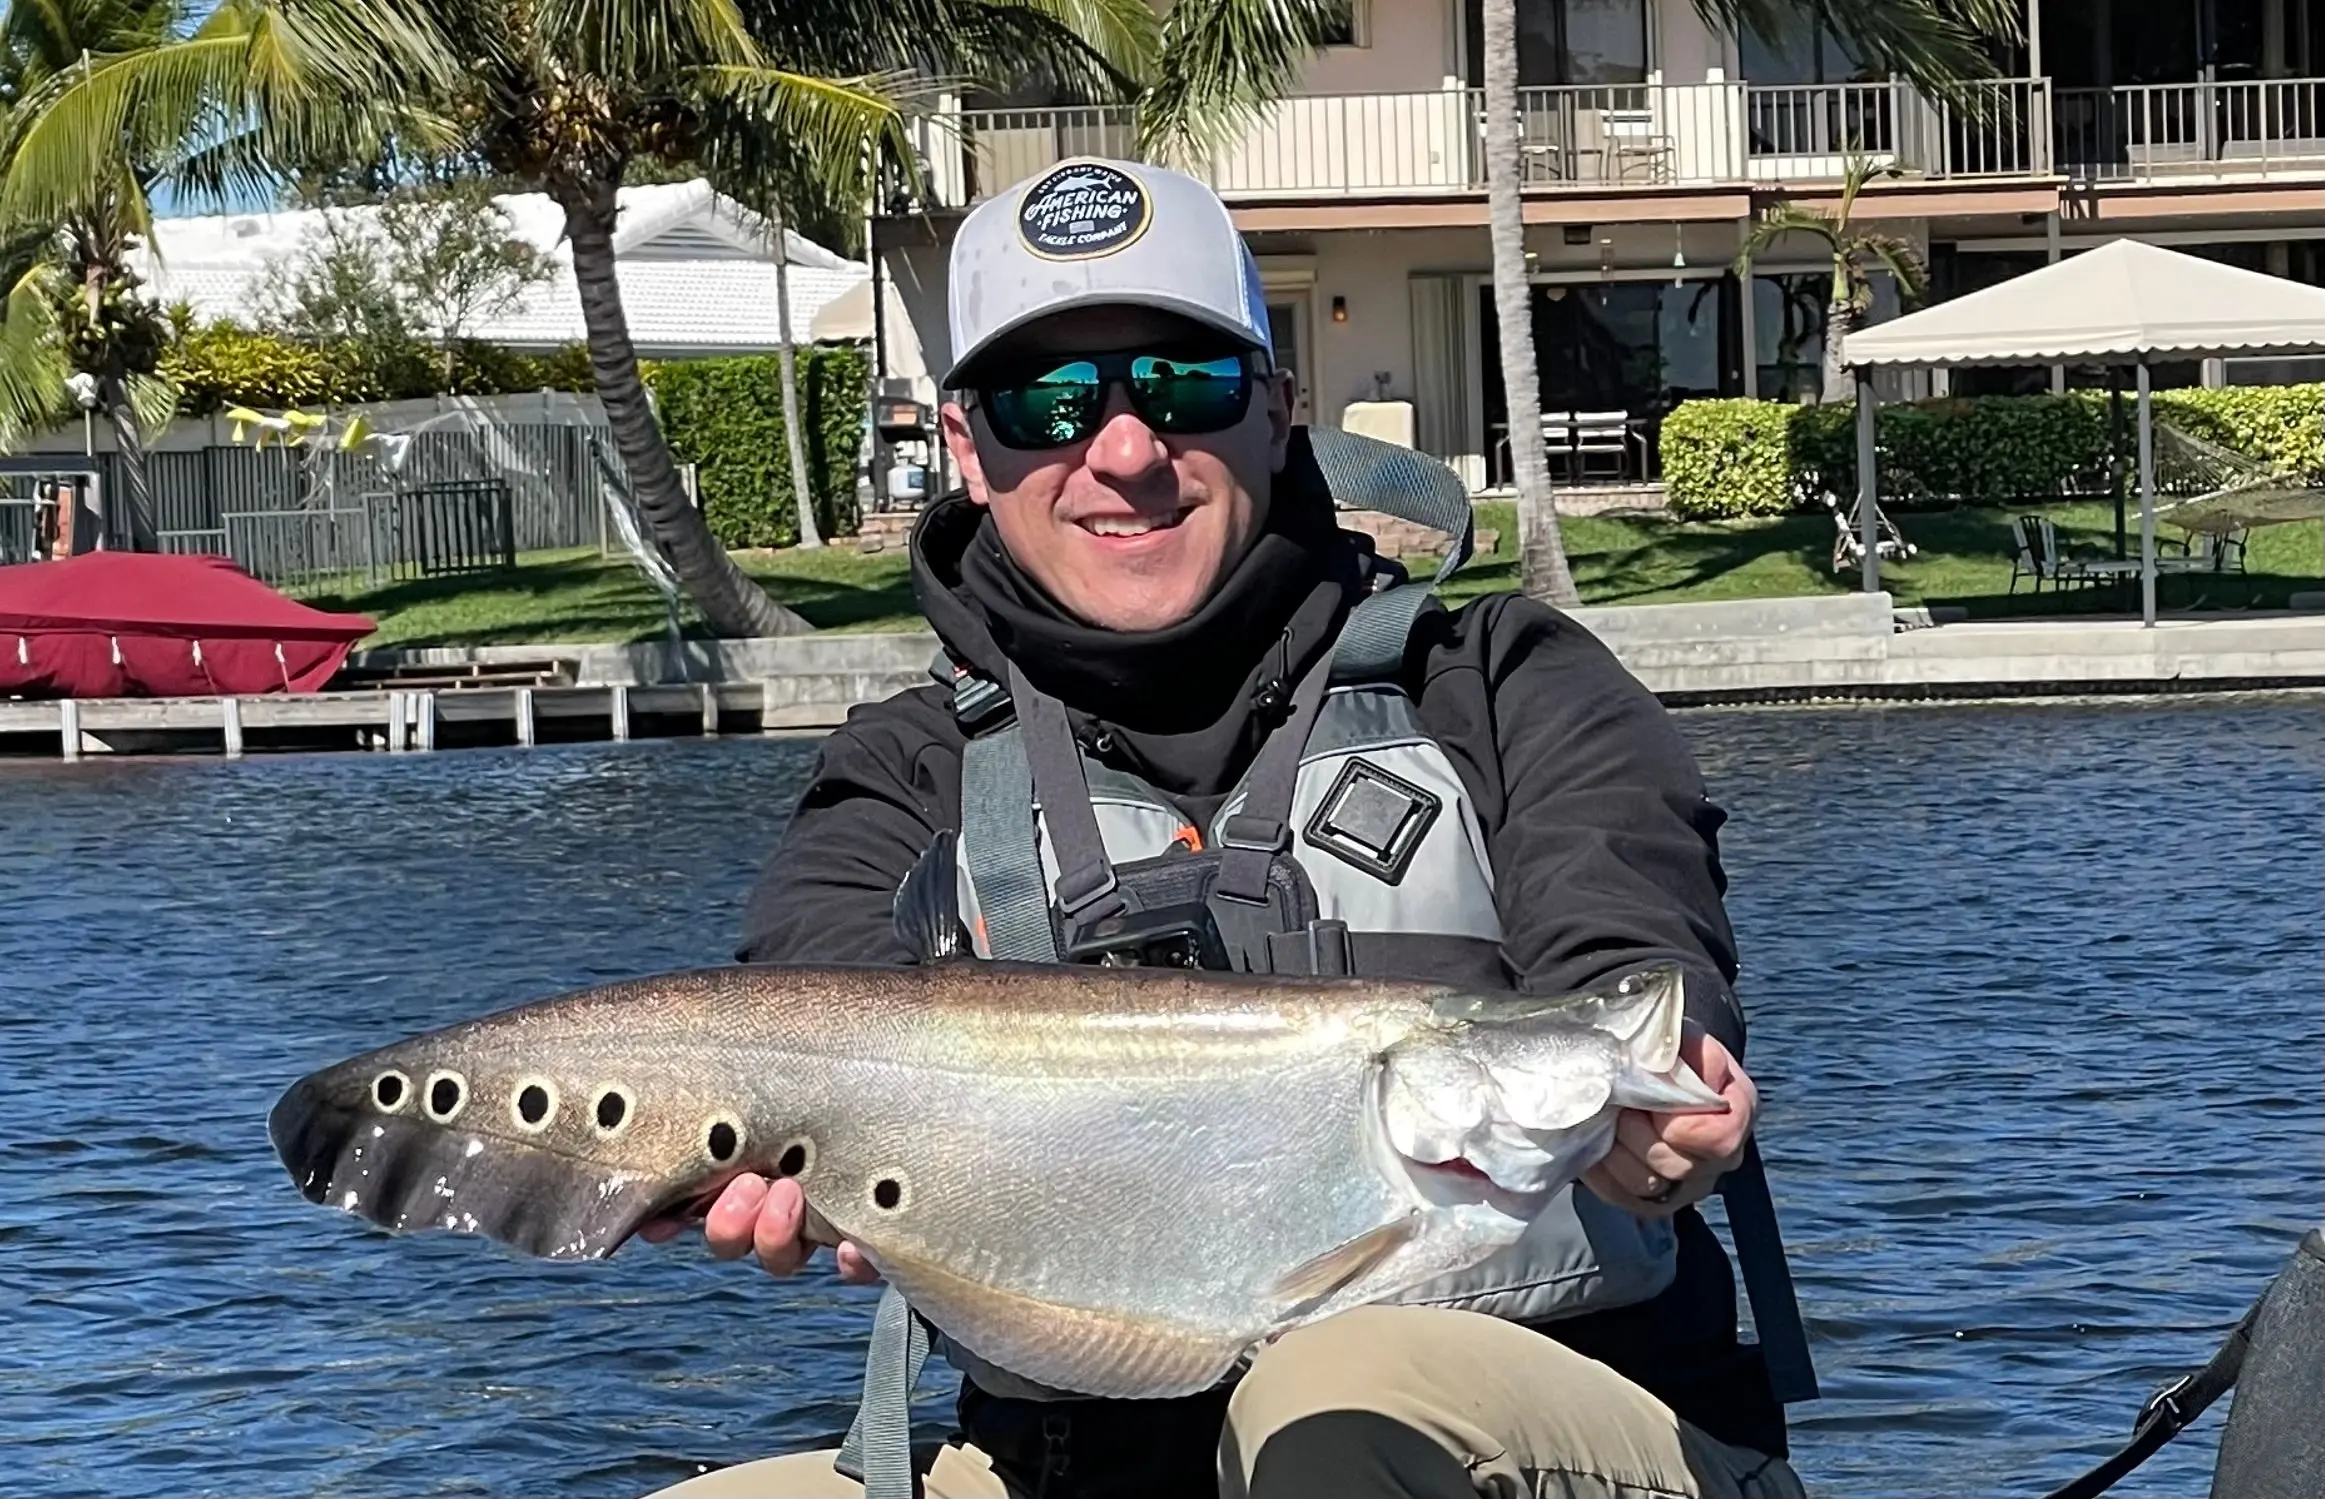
1190 395
1050 410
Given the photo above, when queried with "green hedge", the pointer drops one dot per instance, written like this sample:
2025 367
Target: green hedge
221 365
726 417
1734 457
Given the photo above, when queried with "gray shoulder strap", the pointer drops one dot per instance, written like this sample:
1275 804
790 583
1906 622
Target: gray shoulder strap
1003 848
1767 1279
878 1451
1375 475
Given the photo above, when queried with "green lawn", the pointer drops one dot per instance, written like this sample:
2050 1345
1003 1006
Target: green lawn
1964 559
578 596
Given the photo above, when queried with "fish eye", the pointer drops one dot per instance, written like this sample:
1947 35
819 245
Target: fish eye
389 1089
795 1159
447 1095
612 1109
534 1104
723 1140
888 1194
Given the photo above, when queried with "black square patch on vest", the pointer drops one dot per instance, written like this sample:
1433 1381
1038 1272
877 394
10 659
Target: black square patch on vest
1373 820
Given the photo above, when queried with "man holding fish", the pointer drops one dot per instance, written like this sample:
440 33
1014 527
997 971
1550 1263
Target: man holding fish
1142 593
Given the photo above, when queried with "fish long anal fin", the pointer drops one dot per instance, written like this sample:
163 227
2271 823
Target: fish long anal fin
1336 1267
1074 1350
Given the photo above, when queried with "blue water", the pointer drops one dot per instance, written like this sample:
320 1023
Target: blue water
2035 1000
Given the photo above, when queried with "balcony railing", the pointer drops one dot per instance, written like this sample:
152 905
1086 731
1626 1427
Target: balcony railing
1634 135
2192 131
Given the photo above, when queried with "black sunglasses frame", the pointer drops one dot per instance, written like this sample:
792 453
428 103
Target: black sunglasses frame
1115 370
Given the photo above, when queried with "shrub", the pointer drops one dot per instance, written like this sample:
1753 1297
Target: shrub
1735 457
221 364
726 417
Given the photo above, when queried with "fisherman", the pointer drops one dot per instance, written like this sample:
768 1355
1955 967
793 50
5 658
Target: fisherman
1151 618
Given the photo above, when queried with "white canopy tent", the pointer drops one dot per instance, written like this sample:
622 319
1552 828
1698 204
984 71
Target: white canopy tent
2123 303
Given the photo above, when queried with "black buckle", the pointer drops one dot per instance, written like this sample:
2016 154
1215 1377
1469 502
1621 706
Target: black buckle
1262 835
976 700
1080 889
1176 936
2164 1405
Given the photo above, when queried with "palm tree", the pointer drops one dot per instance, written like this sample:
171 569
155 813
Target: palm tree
1542 568
1938 45
794 430
73 303
561 96
1855 254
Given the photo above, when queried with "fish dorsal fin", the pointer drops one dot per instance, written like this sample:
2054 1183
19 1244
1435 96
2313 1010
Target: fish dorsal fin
1336 1267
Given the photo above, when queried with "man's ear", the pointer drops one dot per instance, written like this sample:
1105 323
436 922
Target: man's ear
961 441
1278 393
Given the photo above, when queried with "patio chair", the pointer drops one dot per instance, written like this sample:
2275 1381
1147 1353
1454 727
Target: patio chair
2088 571
2030 562
1599 434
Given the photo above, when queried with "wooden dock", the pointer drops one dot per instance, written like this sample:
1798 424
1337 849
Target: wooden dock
402 720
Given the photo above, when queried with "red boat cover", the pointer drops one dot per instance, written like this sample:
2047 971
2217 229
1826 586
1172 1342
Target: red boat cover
145 624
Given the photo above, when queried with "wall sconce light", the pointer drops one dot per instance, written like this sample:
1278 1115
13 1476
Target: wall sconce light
1340 309
1678 257
1606 255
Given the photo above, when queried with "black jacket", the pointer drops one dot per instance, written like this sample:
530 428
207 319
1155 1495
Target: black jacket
1604 845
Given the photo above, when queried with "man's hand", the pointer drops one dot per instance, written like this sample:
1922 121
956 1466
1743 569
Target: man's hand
757 1216
1682 1154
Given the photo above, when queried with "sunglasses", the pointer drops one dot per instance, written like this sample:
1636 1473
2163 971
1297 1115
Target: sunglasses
1067 403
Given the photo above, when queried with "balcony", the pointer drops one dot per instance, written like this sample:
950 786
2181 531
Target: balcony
1595 138
2192 132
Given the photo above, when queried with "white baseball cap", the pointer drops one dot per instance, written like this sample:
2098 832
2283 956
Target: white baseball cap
1093 232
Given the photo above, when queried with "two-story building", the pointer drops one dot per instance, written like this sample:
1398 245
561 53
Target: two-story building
1649 143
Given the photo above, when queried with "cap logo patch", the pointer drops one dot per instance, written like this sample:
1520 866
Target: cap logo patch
1083 210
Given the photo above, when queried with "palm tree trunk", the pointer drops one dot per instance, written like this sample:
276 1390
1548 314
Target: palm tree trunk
732 605
794 434
1542 553
1838 386
136 497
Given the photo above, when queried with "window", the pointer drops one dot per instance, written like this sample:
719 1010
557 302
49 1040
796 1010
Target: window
1349 28
1808 53
1571 42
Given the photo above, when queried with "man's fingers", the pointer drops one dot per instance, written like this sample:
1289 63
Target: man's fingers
1623 1168
854 1268
729 1224
1643 1137
775 1236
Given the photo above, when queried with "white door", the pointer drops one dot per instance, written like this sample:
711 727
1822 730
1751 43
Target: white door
1287 322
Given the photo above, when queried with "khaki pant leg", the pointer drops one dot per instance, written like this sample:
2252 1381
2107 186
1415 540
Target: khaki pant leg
1525 1415
958 1473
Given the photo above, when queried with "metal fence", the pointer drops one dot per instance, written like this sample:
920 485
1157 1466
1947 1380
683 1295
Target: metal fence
447 502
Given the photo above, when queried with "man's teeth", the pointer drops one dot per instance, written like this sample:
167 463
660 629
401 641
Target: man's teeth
1131 525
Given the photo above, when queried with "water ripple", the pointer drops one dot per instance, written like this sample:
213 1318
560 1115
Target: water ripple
2033 996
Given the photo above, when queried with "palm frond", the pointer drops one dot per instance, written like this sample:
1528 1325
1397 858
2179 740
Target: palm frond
1125 34
639 41
1222 62
830 128
1896 255
33 368
1778 220
1936 45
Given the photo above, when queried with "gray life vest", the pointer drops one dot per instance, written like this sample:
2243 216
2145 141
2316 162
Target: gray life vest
1350 846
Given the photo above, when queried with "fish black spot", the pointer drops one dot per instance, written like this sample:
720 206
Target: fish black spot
387 1090
722 1141
532 1103
888 1193
794 1159
613 1106
447 1091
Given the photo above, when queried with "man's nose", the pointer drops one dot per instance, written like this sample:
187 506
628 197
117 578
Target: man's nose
1125 447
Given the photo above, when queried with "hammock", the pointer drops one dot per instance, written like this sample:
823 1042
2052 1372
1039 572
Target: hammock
2224 490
